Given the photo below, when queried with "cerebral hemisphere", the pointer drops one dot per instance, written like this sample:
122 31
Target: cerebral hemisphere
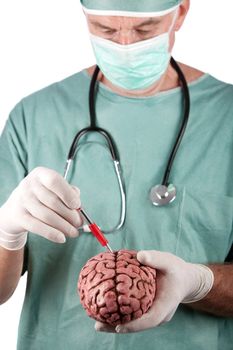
115 288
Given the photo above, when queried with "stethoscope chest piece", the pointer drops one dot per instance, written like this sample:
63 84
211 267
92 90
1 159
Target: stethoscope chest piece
162 195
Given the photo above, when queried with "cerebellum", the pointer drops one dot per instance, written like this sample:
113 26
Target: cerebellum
115 288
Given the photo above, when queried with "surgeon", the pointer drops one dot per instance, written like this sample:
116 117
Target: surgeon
182 227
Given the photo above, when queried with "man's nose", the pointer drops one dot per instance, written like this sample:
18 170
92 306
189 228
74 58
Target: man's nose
125 37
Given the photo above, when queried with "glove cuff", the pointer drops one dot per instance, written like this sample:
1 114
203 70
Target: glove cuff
206 281
11 241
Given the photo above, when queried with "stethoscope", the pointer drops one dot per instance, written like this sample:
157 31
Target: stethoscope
160 195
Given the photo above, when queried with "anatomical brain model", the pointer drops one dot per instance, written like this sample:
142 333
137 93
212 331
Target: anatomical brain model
116 288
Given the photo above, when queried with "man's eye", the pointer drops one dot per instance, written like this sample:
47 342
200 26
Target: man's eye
108 31
142 31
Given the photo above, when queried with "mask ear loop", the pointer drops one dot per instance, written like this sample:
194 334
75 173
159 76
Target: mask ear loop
174 19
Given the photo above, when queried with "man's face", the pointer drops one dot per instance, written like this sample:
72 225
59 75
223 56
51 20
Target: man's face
128 30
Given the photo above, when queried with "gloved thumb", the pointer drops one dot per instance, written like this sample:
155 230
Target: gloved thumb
85 226
76 202
156 259
76 189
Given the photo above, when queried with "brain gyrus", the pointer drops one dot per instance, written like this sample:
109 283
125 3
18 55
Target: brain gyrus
116 288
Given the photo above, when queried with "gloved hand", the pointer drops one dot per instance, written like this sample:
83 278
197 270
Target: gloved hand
43 203
177 282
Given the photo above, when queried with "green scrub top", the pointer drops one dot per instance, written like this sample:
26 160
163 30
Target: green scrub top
197 226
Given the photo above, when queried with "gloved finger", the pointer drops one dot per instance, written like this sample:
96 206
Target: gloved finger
86 228
103 327
41 229
50 200
138 325
49 217
57 184
163 308
159 260
158 314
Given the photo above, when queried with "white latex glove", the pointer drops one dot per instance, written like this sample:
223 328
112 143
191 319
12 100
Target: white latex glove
43 203
177 282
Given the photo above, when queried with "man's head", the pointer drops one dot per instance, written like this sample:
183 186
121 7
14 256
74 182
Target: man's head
127 22
135 26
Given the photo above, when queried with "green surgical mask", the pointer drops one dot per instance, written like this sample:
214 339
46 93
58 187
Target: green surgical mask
135 66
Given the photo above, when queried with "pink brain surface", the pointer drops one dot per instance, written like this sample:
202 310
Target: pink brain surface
115 288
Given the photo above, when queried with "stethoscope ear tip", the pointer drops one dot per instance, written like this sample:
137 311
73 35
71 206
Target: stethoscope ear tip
162 195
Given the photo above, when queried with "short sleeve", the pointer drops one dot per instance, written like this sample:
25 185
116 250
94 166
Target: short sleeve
13 157
229 257
25 260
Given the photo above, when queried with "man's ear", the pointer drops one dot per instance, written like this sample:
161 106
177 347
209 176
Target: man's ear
183 11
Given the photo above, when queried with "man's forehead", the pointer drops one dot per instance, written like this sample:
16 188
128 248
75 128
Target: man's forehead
114 20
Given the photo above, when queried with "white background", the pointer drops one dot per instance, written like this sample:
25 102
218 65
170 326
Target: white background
45 41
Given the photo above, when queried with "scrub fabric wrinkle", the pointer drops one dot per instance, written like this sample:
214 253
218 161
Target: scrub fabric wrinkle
197 226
